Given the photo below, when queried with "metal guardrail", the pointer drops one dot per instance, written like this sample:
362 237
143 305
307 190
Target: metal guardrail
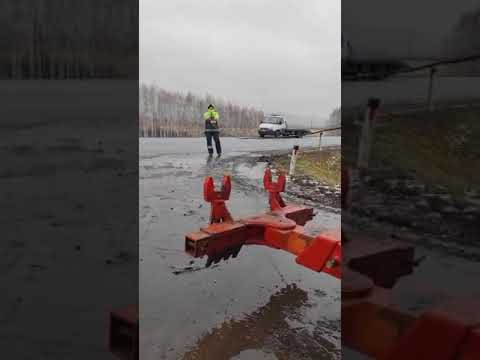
325 130
392 67
438 63
320 134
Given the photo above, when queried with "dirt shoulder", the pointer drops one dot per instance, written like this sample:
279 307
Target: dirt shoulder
317 175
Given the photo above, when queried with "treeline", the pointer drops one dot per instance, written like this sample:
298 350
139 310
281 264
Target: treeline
174 114
334 120
465 41
61 39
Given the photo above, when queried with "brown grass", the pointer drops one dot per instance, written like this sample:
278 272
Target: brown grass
443 146
323 166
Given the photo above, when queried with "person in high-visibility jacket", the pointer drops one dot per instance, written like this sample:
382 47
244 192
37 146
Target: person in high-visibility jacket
211 118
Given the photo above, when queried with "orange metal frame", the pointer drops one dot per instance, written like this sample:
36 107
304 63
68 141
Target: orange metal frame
279 228
373 324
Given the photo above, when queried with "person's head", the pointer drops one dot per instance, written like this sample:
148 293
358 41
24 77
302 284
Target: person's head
211 107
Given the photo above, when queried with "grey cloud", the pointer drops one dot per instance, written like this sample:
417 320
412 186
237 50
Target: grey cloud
277 55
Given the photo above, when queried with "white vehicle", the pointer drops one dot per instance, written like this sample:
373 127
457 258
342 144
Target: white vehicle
276 125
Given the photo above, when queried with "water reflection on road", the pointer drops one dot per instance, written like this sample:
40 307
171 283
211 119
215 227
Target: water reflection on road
270 329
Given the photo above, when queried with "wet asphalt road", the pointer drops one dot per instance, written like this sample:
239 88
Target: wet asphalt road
258 306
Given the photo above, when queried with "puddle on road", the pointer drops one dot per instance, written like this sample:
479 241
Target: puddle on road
252 171
268 329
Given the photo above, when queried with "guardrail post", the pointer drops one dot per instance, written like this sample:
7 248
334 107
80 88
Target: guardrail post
367 133
433 70
293 160
320 134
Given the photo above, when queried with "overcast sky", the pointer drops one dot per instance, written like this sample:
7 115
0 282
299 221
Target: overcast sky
277 55
428 17
418 27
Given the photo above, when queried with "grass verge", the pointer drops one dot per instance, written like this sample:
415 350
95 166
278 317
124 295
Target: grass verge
442 146
322 166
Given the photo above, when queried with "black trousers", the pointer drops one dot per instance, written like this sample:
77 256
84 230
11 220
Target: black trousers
216 137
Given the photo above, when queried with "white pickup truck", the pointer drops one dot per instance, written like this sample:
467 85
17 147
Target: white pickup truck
276 125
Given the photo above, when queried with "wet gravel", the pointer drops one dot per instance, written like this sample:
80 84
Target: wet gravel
426 214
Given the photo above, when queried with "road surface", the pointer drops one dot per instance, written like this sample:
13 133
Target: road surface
261 305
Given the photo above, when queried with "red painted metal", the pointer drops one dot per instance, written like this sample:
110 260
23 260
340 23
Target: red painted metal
274 189
432 336
124 333
280 228
446 333
324 254
471 347
219 212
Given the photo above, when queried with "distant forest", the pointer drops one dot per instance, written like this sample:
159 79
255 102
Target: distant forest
61 39
173 114
335 120
465 41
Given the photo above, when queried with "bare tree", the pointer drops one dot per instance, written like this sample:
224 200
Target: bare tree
166 114
63 39
334 120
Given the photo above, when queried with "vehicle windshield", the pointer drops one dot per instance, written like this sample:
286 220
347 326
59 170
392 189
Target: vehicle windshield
273 120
